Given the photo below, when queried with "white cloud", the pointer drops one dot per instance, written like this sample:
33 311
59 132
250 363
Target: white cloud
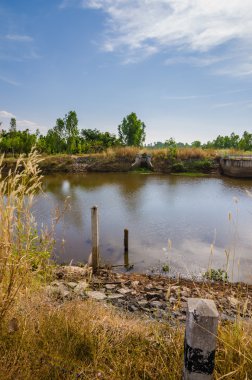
9 81
27 124
6 114
19 37
24 124
139 28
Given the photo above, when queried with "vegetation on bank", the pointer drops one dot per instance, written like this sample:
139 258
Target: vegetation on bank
66 138
43 339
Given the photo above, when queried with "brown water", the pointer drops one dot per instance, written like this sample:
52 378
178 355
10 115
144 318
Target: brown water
193 213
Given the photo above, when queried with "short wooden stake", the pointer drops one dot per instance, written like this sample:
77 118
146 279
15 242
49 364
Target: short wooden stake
95 238
126 259
200 339
126 240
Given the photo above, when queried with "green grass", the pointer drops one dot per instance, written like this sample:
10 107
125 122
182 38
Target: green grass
188 174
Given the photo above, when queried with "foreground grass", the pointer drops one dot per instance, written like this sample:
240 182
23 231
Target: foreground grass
88 340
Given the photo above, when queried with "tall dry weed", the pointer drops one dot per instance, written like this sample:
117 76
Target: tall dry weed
23 249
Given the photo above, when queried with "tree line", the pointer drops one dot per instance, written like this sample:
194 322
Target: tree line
66 137
233 141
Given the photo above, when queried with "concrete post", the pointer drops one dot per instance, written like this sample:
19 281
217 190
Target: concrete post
200 339
95 238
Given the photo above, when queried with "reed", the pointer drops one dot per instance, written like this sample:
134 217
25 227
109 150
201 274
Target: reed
24 251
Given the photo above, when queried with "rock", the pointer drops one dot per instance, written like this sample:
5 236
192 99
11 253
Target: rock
148 287
156 304
132 308
134 284
142 303
233 301
175 288
154 295
72 285
81 288
110 286
73 272
114 296
63 291
99 296
124 291
58 292
172 300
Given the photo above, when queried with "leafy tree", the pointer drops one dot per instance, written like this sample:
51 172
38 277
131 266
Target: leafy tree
132 131
13 125
94 140
245 142
172 148
71 131
196 144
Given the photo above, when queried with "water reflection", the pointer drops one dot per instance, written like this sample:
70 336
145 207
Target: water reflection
193 212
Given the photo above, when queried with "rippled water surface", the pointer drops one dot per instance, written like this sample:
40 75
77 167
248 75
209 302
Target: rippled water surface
205 219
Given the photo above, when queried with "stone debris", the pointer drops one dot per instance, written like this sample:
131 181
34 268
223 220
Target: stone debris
156 297
99 296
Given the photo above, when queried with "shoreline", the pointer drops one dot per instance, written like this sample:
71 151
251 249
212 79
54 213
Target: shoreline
122 163
152 296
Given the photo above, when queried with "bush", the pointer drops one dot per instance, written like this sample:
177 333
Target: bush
178 167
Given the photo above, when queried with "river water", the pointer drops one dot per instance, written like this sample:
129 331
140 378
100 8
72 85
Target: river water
186 223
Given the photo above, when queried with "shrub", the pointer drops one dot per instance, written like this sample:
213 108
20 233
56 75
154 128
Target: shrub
178 167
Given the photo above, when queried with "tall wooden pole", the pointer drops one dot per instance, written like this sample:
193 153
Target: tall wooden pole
95 238
126 248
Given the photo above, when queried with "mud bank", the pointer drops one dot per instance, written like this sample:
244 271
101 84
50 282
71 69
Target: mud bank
103 163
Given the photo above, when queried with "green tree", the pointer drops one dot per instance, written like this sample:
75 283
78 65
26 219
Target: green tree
132 131
71 131
13 125
196 144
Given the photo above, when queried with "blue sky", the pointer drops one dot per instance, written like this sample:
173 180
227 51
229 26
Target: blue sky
184 66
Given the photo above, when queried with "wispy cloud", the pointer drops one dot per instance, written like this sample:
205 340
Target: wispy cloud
140 28
186 97
27 124
224 105
23 123
6 114
9 81
202 96
18 37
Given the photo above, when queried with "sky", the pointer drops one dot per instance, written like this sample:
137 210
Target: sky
183 66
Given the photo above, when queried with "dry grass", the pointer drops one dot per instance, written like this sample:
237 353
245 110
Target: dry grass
88 340
182 153
23 251
128 152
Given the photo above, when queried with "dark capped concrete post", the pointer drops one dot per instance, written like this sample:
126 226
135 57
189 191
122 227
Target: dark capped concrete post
200 339
95 238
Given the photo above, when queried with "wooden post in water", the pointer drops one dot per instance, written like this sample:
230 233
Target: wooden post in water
95 238
126 240
126 248
200 339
